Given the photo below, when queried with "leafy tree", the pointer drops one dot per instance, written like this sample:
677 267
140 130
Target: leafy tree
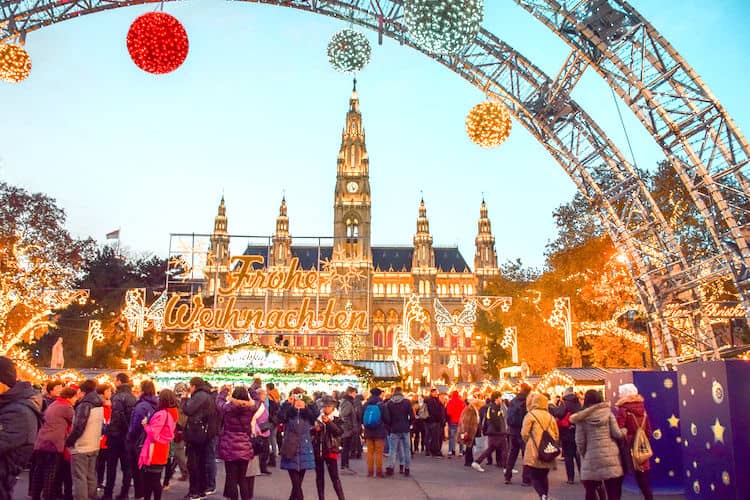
108 275
492 332
39 262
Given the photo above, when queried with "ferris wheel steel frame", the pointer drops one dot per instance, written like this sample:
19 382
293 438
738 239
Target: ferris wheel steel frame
660 270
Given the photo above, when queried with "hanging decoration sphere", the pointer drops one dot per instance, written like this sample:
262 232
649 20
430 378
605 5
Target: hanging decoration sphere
15 63
349 51
157 43
443 26
488 124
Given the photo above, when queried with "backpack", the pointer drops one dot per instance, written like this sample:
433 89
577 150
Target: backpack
548 448
564 423
515 414
494 422
372 417
641 450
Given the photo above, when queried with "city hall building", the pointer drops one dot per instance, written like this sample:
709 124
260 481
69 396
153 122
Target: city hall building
353 275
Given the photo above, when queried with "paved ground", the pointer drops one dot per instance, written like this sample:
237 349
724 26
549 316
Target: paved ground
431 478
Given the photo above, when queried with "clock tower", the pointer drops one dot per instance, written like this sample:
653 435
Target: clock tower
351 207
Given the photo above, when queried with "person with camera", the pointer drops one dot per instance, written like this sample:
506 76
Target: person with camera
326 437
298 416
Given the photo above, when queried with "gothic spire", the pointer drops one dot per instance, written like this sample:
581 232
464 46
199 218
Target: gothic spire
220 222
485 259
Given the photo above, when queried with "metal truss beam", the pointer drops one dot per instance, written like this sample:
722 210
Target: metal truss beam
540 103
697 135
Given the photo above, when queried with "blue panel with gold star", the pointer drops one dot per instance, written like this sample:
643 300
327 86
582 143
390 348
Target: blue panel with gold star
660 397
715 423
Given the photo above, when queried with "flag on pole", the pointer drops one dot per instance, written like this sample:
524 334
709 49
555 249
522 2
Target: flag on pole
114 235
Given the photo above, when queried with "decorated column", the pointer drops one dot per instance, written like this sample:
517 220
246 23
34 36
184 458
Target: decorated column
715 425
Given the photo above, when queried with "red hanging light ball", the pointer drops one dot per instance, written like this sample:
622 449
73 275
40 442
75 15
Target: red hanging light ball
157 43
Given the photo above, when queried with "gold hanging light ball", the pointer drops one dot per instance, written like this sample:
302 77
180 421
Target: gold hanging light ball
488 124
15 63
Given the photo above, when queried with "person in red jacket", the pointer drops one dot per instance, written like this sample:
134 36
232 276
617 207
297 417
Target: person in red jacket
453 411
631 414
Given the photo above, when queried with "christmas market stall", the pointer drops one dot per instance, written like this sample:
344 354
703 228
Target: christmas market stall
240 364
581 379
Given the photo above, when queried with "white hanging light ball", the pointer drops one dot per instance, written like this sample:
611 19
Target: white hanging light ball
349 51
443 26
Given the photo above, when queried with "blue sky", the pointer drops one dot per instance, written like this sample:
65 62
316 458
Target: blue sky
256 110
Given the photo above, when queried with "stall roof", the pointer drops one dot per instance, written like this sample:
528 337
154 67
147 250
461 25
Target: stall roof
381 370
590 374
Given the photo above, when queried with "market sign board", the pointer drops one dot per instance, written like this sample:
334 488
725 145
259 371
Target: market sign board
250 358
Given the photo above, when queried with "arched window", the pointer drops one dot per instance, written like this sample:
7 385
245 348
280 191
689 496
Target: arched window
389 338
454 342
421 287
439 341
467 341
352 235
377 338
471 290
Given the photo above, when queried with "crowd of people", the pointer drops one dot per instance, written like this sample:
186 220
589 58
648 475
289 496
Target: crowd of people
75 438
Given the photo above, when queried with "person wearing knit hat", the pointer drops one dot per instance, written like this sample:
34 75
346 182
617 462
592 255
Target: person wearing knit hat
373 420
20 414
628 390
631 415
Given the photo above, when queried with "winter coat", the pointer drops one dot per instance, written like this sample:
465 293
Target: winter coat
234 438
198 405
348 413
596 432
454 408
630 415
359 403
468 425
123 403
570 404
494 420
380 431
436 409
400 414
144 408
87 425
516 413
326 437
159 435
57 422
20 416
536 421
297 426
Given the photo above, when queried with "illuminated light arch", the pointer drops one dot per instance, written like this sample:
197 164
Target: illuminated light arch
543 105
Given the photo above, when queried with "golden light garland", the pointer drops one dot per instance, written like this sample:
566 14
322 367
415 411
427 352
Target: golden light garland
15 63
554 378
488 124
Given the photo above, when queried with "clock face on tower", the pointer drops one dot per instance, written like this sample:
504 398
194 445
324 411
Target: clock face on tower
352 187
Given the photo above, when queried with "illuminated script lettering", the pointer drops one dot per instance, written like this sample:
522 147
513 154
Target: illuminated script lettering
329 315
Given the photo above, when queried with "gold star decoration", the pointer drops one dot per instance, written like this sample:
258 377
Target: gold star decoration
673 421
718 431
